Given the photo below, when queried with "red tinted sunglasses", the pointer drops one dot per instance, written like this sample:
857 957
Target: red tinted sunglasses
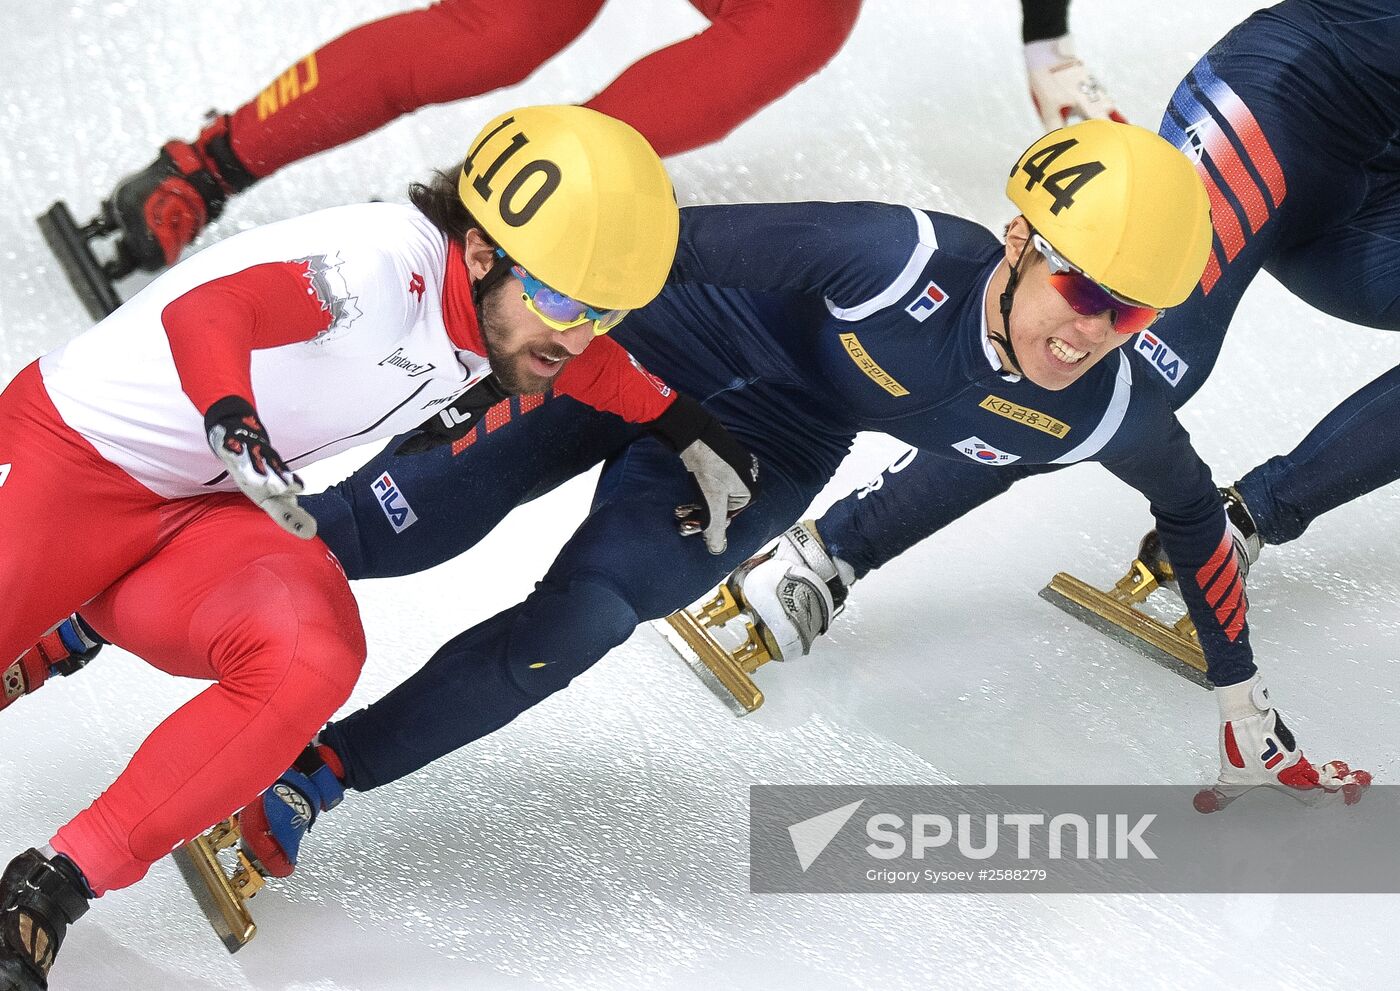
1087 298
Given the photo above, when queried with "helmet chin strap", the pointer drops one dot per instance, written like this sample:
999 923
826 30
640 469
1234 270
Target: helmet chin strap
1007 294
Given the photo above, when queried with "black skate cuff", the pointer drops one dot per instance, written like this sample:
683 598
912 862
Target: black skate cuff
232 171
55 890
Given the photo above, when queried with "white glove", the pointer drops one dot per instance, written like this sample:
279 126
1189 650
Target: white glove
237 437
1257 749
1063 87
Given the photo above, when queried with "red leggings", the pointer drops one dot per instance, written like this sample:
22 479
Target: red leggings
206 588
681 97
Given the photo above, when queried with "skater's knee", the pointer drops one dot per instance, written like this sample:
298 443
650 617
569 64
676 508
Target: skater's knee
462 52
325 666
817 34
299 642
784 49
564 629
300 667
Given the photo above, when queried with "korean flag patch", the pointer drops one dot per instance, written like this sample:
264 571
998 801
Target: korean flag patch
984 453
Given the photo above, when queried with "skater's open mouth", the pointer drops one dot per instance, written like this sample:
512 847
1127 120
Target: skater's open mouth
1065 353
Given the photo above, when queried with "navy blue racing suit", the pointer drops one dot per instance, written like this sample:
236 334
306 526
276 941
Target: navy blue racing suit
1293 118
797 325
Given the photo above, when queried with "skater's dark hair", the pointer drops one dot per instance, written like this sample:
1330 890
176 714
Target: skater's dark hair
438 200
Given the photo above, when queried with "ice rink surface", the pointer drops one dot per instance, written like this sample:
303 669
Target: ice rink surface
600 842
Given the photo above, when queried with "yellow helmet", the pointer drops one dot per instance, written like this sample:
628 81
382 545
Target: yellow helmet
579 199
1121 204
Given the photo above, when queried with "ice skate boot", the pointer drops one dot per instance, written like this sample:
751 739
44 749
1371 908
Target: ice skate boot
154 213
790 593
229 864
67 648
1116 613
39 899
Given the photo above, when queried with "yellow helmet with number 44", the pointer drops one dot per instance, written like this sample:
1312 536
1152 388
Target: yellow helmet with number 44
577 198
1121 204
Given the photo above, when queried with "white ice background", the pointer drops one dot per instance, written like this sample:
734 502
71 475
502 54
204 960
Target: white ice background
600 841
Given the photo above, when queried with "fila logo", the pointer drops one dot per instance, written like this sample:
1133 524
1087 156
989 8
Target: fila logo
1273 753
927 302
417 286
4 473
983 453
453 418
396 508
1162 358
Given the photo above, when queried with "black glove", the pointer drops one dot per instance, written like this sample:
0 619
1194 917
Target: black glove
725 471
237 437
455 421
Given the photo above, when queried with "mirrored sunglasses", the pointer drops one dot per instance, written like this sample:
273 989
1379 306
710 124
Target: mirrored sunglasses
1087 298
559 311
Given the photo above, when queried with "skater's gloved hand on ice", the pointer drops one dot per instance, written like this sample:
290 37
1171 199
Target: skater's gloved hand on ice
1062 87
237 437
1257 749
726 472
453 422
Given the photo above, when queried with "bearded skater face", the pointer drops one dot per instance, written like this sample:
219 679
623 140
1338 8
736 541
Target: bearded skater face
525 353
1052 344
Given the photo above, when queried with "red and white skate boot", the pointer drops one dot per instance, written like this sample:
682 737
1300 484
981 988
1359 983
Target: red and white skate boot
67 648
1258 750
161 209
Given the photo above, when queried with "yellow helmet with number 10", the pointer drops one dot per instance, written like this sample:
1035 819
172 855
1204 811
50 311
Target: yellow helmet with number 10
1121 204
578 199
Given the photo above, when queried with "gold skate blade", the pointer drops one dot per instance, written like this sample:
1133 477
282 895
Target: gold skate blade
714 665
1147 635
218 898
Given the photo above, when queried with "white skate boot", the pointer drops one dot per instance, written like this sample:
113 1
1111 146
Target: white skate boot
791 592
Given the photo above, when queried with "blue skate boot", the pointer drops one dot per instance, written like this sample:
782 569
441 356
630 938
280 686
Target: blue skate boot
273 826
